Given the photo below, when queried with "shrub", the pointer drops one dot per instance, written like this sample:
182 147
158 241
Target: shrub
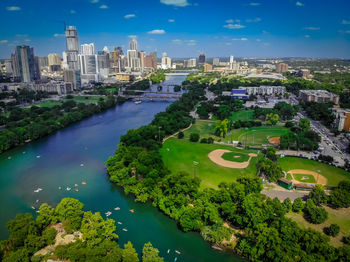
318 195
313 214
210 140
332 230
180 135
204 141
287 204
194 137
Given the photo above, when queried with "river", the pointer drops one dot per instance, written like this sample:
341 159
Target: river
76 154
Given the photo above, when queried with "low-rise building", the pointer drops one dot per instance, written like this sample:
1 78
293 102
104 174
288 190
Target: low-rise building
208 67
264 90
342 119
319 96
239 94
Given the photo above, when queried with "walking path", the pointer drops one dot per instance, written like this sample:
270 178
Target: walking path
173 135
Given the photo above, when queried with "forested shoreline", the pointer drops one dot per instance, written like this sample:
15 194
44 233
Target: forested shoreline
260 230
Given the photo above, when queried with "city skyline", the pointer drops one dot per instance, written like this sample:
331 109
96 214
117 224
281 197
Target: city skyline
183 28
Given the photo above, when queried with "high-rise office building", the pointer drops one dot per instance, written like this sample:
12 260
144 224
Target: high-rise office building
72 76
142 56
103 64
190 62
281 68
151 60
25 67
201 58
216 61
72 47
232 59
43 62
116 60
87 49
133 44
54 61
166 61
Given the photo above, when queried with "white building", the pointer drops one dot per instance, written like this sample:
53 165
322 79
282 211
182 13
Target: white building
166 61
216 61
87 49
264 90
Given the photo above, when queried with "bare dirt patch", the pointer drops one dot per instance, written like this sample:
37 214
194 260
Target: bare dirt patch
216 157
318 177
275 140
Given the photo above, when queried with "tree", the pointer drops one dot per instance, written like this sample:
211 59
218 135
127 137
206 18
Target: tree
287 204
150 254
210 140
221 127
251 184
129 253
70 209
272 119
318 195
298 205
339 198
224 111
304 124
313 214
180 135
194 137
271 169
333 230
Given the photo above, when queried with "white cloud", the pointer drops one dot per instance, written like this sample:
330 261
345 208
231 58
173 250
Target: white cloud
240 39
21 35
177 41
128 16
307 36
72 12
191 42
27 40
347 32
299 4
231 21
132 36
228 43
255 20
258 40
13 8
254 4
156 32
103 7
180 3
94 1
171 21
58 35
234 26
4 41
311 28
345 22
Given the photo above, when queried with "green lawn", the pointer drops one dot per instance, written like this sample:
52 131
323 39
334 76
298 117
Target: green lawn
333 174
49 104
178 155
335 216
87 99
235 157
299 177
243 115
204 128
257 135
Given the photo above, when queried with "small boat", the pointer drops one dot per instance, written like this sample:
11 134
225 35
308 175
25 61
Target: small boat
83 183
76 185
59 188
77 189
168 251
177 252
37 156
9 158
132 210
81 164
120 223
23 152
33 207
117 208
138 102
175 259
38 190
37 201
124 229
108 213
68 188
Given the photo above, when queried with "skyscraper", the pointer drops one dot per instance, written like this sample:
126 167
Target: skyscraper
166 61
142 56
88 63
133 59
216 61
201 58
25 67
133 44
87 49
72 47
151 60
54 61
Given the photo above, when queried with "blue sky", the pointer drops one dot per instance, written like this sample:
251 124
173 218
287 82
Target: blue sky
183 28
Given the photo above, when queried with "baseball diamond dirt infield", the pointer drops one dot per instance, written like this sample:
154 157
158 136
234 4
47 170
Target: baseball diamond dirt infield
318 177
216 157
275 140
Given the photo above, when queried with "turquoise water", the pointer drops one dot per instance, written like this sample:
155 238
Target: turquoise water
90 143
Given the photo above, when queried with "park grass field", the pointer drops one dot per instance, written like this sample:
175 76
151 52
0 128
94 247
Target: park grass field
333 174
232 156
335 216
257 135
49 104
243 115
203 127
179 155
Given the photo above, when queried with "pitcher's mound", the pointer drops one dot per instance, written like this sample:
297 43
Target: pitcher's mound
216 157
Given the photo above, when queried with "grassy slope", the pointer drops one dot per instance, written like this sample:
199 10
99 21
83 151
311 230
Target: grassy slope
333 174
204 128
335 216
49 104
257 135
243 115
182 153
90 99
